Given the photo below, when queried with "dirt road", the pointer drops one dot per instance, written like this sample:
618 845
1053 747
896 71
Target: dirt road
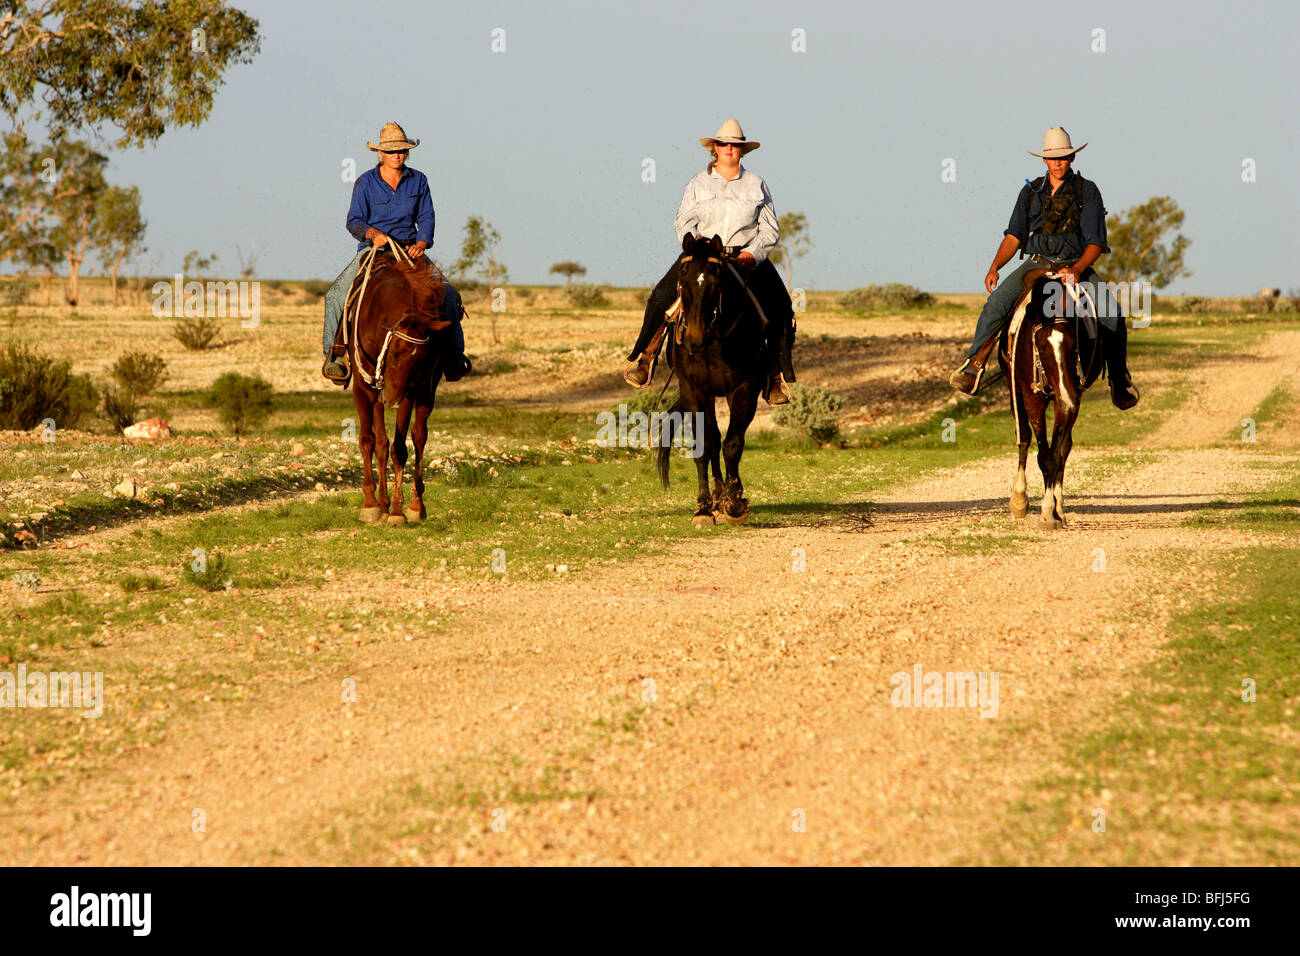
727 703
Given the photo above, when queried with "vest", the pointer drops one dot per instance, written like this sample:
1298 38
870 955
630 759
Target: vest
1062 211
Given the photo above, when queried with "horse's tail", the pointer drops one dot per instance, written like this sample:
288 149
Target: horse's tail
666 438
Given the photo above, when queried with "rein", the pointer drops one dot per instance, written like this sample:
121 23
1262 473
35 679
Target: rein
352 316
710 329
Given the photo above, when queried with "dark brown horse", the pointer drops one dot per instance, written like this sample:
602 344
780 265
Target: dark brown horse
396 352
1050 353
716 351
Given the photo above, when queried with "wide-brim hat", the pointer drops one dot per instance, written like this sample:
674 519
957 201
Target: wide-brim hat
1056 145
392 138
730 132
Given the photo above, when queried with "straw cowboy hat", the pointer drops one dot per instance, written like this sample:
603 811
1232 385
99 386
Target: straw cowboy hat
1056 145
730 132
392 138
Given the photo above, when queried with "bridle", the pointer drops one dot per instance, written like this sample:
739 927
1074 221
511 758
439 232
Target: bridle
710 328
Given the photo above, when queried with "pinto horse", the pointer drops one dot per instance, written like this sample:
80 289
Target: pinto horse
1049 352
717 351
394 344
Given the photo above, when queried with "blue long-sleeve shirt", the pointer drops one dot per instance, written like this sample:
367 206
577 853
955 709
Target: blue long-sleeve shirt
404 214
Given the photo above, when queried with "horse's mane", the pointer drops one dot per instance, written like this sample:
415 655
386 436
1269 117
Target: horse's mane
428 289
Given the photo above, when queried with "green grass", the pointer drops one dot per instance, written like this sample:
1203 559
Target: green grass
1187 771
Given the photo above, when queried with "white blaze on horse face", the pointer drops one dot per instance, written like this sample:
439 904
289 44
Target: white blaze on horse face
700 280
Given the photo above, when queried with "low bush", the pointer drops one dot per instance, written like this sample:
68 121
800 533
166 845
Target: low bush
891 295
196 332
119 407
647 400
315 287
212 575
242 401
34 387
139 373
584 295
814 412
1190 304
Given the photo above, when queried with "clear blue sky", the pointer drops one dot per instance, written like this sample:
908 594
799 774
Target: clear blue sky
547 139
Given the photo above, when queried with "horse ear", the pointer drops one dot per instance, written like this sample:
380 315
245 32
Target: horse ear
688 240
716 242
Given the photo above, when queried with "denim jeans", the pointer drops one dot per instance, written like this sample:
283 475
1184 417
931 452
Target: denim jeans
336 299
1001 303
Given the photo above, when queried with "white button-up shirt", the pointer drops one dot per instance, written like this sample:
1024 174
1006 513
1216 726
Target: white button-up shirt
739 211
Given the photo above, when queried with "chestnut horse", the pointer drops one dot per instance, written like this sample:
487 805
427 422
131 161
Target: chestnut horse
717 351
395 348
1050 351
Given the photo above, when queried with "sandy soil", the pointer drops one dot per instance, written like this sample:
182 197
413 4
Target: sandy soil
771 689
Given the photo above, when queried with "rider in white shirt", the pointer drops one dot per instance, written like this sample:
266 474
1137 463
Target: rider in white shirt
733 203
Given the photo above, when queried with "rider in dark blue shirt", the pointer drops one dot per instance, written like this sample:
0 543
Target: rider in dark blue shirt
1060 222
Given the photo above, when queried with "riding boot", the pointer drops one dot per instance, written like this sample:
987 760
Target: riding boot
970 375
774 392
337 368
1123 393
639 372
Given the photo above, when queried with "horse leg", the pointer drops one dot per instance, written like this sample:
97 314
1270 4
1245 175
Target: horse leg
704 501
1067 410
1019 487
1037 413
715 463
742 402
1019 496
396 513
381 452
419 435
366 443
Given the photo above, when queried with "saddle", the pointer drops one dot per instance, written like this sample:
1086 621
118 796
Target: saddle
981 357
1083 309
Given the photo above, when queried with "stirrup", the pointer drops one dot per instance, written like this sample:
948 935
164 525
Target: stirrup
775 387
636 364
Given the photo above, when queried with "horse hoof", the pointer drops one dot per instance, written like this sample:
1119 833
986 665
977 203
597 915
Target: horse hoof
370 515
1053 524
414 514
396 519
1020 512
734 519
702 521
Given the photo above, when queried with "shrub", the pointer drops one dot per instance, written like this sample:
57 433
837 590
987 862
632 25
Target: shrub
242 401
647 400
197 332
1192 304
316 287
131 583
34 387
891 295
213 577
525 293
119 407
139 373
15 292
813 412
587 296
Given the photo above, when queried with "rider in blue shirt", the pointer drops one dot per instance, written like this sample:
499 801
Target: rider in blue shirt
390 203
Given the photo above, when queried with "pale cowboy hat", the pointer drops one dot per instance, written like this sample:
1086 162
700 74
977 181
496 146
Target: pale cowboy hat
1056 145
392 138
730 132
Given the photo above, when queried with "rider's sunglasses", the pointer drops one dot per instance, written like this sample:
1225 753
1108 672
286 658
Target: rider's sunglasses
394 152
727 145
